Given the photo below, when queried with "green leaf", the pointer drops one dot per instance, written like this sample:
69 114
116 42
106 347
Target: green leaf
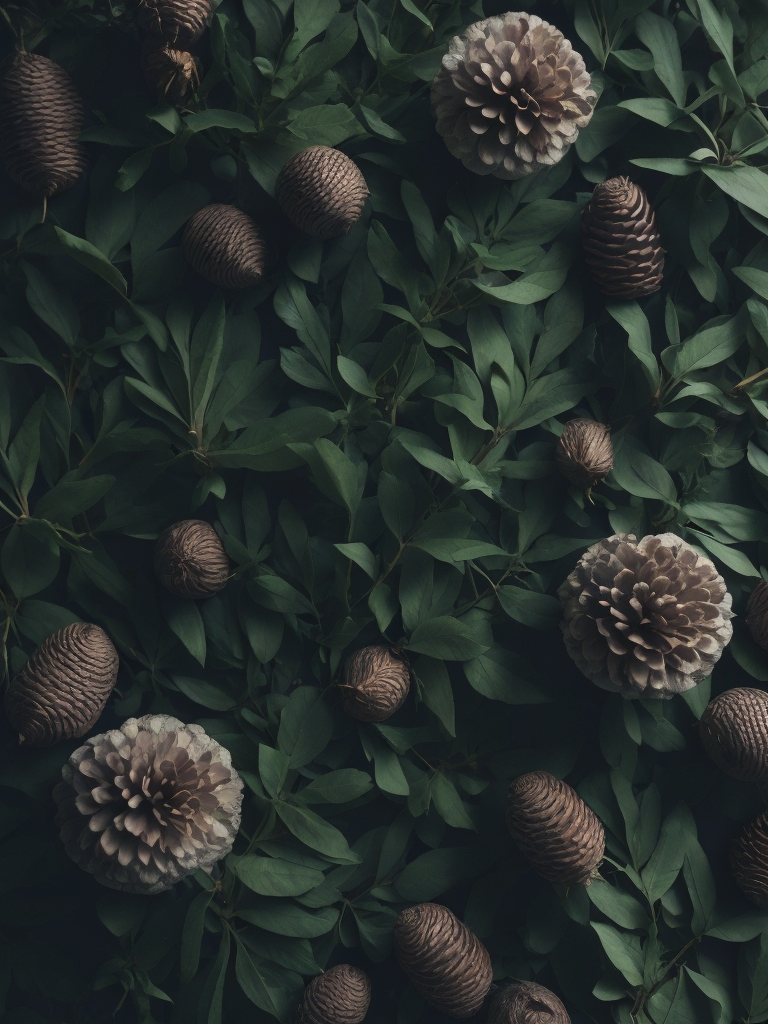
537 610
746 185
449 638
69 498
210 118
316 833
437 871
667 859
448 803
333 471
354 375
185 620
288 918
271 877
306 725
29 559
326 125
202 692
337 787
639 474
53 304
192 936
619 906
502 675
361 555
397 503
263 986
659 35
635 323
89 256
714 343
273 768
437 691
622 950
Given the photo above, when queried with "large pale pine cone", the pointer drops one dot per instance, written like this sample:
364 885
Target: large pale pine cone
647 618
172 73
749 860
511 96
146 804
376 681
340 995
62 689
528 1003
757 614
553 827
179 23
621 244
322 191
449 965
224 246
41 117
190 560
584 453
734 732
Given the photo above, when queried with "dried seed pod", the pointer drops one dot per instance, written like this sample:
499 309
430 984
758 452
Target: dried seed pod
447 963
172 73
190 560
322 191
224 246
41 116
584 453
528 1003
179 23
749 860
62 689
376 682
757 614
734 732
340 995
555 829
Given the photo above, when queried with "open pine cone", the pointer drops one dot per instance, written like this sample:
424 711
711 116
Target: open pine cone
190 560
172 73
734 732
584 453
340 995
224 246
757 615
322 191
178 23
647 618
528 1003
146 804
749 860
376 682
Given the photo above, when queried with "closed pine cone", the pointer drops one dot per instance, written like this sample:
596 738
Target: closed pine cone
173 73
322 191
555 829
757 615
449 965
190 560
734 732
376 682
749 860
41 117
340 995
179 23
224 246
584 453
62 689
528 1003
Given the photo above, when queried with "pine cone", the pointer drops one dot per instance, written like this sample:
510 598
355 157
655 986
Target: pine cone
555 829
376 682
584 453
646 618
528 1003
757 615
322 191
172 73
178 23
41 117
621 244
449 965
734 732
341 995
62 689
749 860
190 560
224 246
511 96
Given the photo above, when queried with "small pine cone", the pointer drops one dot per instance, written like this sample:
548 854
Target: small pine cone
376 682
757 615
190 560
62 689
622 246
224 246
172 73
179 23
584 453
528 1003
734 732
749 860
340 995
322 191
41 117
555 829
449 965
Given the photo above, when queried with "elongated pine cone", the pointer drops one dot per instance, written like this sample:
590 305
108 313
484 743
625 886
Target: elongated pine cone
172 73
528 1003
734 732
41 117
449 965
322 191
190 560
376 682
224 246
749 860
179 23
62 689
555 829
584 453
647 618
621 244
757 615
340 995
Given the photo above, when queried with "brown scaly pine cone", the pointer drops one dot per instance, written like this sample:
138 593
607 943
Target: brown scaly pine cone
171 73
224 246
757 615
322 191
376 681
734 732
190 560
584 453
340 995
177 23
528 1003
749 860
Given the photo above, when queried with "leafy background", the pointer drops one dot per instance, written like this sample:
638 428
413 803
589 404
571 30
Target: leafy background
371 431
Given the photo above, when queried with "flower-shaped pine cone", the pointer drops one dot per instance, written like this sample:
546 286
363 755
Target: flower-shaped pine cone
757 615
340 995
375 683
584 452
190 560
172 73
749 860
179 23
528 1003
322 191
734 732
224 246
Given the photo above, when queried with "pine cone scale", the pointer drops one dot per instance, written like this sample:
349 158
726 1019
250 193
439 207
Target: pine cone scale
376 681
749 860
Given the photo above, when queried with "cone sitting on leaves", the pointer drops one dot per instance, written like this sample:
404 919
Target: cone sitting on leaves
584 453
528 1003
322 191
340 995
178 23
749 860
173 73
224 246
190 560
757 615
376 681
734 732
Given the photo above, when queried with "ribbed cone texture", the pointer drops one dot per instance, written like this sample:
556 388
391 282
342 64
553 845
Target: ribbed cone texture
62 689
749 860
190 560
340 995
528 1003
376 682
555 829
449 965
224 246
322 191
757 615
179 23
734 732
173 73
584 453
41 116
621 244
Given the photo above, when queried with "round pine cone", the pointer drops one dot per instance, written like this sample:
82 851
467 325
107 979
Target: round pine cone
528 1003
178 23
41 117
172 73
449 965
645 618
749 860
376 682
224 246
555 829
584 453
340 995
621 244
322 191
757 615
190 560
734 732
62 689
